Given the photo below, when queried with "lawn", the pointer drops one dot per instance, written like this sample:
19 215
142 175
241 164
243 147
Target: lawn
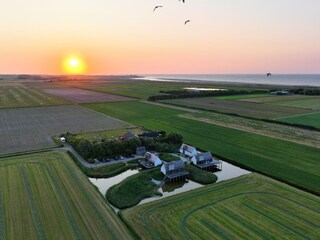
249 207
109 133
241 108
24 129
290 162
18 95
312 119
46 196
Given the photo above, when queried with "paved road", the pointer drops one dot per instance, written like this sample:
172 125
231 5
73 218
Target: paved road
92 165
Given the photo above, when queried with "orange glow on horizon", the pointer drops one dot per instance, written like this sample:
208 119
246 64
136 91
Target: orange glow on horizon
74 65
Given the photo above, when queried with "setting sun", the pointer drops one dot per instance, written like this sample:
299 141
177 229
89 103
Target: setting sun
74 65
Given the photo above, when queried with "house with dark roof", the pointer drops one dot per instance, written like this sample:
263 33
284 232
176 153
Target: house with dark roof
127 136
206 161
141 151
188 150
174 171
151 160
149 135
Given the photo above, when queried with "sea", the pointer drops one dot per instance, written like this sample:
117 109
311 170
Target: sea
275 79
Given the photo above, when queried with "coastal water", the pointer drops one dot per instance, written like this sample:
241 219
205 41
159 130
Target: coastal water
275 79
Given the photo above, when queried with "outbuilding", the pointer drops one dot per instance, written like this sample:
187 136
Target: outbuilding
141 151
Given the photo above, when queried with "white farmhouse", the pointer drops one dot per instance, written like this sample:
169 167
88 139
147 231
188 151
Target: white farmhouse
188 150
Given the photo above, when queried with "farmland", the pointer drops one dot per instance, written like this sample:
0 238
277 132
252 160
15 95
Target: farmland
242 108
309 102
76 95
290 162
249 207
312 119
45 196
24 129
18 95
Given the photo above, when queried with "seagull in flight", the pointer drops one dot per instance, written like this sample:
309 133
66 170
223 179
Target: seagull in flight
155 8
186 22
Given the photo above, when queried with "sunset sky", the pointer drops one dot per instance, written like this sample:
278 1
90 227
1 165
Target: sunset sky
126 37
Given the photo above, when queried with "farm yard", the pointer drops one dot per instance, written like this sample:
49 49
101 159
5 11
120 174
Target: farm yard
76 95
249 207
242 108
14 95
27 129
290 162
46 196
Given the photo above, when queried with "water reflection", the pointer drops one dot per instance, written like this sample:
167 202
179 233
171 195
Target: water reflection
229 171
104 184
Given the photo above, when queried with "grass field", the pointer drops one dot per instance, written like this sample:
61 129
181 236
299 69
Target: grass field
24 129
18 95
312 119
309 102
76 95
294 163
45 196
244 96
249 207
242 108
288 133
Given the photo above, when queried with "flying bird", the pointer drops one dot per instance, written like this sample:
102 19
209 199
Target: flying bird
182 1
186 22
155 8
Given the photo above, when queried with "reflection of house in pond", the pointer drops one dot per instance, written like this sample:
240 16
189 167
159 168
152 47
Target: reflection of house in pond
171 187
174 171
151 161
206 161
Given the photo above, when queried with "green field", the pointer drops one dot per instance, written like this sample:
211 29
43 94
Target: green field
312 120
18 95
244 96
241 108
300 101
294 163
46 196
249 207
109 133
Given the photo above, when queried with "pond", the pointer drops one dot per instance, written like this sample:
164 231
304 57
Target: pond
229 171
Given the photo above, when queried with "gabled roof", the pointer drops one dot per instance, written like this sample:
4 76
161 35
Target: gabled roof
204 156
174 165
149 134
152 157
187 148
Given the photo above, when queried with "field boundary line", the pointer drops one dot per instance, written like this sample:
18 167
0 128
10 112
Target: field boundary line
34 210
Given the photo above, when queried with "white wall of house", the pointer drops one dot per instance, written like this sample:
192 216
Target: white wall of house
163 170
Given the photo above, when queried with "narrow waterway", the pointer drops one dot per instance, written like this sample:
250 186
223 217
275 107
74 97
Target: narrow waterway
229 171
